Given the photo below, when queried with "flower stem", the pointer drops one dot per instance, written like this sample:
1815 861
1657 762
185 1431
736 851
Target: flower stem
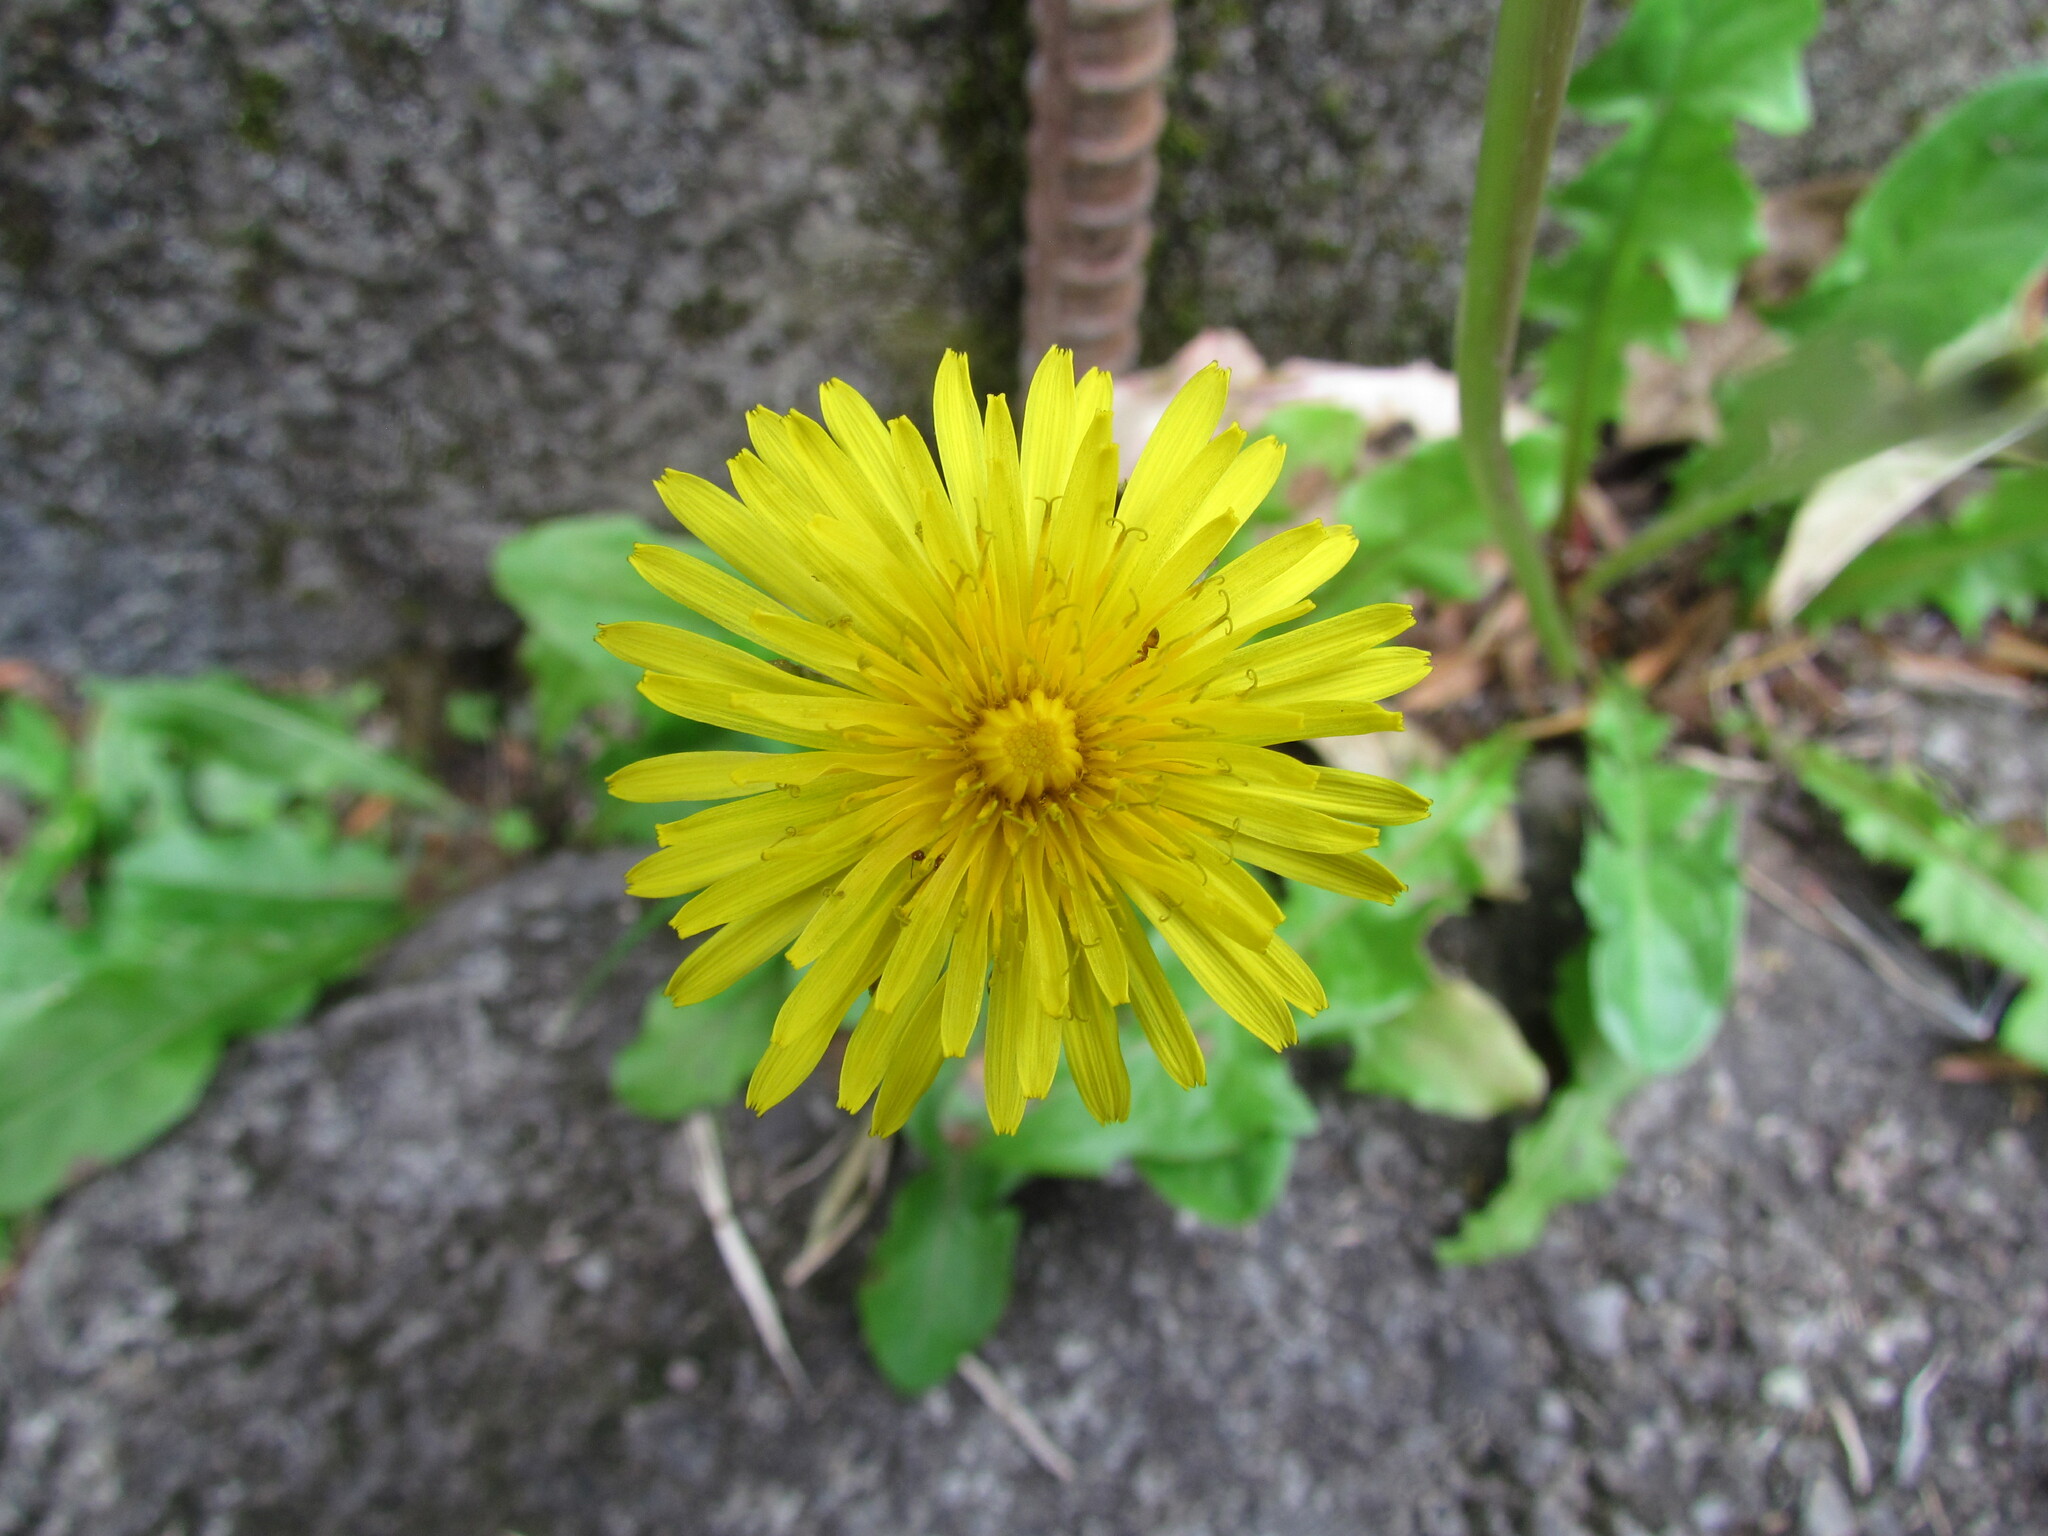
1532 59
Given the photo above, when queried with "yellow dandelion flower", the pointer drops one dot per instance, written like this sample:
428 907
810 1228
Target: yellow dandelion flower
1030 722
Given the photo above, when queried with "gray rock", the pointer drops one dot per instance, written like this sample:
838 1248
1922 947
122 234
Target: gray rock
410 1270
303 309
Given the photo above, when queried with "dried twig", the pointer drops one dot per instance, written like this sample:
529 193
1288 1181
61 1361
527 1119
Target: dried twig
855 1187
1566 722
707 1177
2010 649
1097 109
1916 1436
821 1162
1854 1451
1006 1406
1816 909
1784 654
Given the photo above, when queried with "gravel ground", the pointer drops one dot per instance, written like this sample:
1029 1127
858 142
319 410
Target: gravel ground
408 1270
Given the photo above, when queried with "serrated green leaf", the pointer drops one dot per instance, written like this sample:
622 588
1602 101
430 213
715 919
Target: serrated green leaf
1726 58
1662 889
1322 438
1665 217
1970 891
1566 1153
1250 1094
1943 245
939 1277
1951 229
149 730
1373 961
34 754
1419 522
699 1056
564 578
1991 557
1468 845
1225 1191
1388 1000
1453 1051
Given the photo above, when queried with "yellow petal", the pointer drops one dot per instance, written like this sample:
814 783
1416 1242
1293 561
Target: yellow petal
913 1065
695 775
1159 1012
1183 432
738 947
1095 1056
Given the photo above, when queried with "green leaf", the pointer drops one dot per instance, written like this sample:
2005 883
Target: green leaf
1469 845
1565 1154
1662 889
34 754
939 1277
191 876
566 577
1941 247
148 730
1226 1191
39 958
1970 891
58 840
1250 1094
101 1053
118 1056
1373 961
1419 522
1322 444
471 716
1665 217
1454 1051
699 1057
1991 557
1955 225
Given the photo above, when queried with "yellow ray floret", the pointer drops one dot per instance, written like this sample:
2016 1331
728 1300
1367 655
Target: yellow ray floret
1033 726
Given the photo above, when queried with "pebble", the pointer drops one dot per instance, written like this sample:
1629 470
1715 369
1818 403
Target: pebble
1786 1387
1597 1321
1826 1511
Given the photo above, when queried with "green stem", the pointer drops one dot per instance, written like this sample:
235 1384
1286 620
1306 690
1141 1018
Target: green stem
1532 61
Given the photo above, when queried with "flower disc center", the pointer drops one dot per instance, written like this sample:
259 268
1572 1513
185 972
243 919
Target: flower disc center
1027 747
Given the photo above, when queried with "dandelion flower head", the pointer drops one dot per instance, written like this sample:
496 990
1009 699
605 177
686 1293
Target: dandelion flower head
1032 729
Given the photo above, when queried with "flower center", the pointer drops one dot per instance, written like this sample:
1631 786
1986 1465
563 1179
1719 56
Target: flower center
1027 747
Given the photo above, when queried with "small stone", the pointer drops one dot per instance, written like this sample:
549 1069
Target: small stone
593 1272
682 1375
1713 1514
1826 1510
1597 1321
1787 1388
